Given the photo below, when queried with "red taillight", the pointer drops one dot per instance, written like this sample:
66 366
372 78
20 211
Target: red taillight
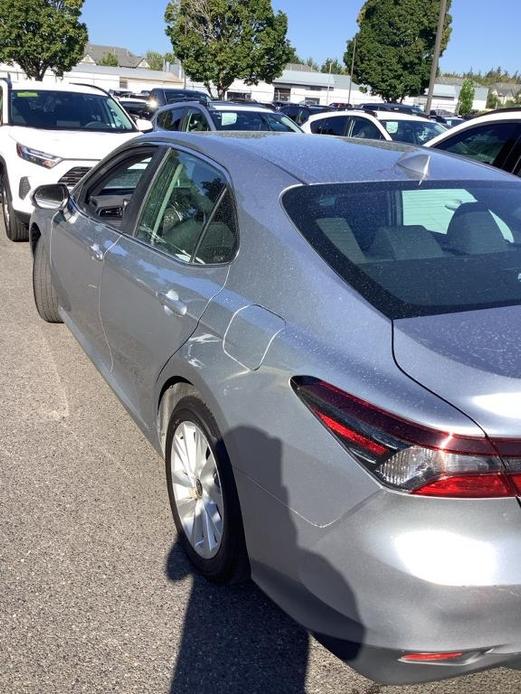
468 486
410 457
431 657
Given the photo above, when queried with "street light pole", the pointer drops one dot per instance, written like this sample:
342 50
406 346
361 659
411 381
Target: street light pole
352 68
436 56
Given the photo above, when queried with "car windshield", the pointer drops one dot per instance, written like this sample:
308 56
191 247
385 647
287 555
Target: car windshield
60 110
415 249
253 120
414 131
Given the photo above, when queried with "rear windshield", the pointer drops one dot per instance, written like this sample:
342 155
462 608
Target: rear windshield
171 96
414 131
59 110
417 249
253 120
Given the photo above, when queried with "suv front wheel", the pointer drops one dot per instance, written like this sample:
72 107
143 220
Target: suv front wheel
14 228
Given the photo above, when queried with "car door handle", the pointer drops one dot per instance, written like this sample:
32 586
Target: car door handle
96 252
170 300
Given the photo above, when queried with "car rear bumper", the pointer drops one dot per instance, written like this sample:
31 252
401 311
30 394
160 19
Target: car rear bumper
397 575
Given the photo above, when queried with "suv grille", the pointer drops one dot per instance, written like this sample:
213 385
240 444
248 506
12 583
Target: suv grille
74 175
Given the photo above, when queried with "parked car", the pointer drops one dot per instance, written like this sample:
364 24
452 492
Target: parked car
378 125
322 338
193 116
52 133
159 97
494 138
300 113
410 109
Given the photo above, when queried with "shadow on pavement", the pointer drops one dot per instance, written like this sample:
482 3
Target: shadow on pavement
235 640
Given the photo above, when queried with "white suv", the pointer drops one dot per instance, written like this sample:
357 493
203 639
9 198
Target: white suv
52 133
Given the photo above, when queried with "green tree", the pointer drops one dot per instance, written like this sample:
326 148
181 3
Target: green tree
154 59
395 46
42 34
219 41
110 59
312 63
466 98
332 65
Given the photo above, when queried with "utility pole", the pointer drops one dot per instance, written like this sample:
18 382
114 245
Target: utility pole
436 56
352 68
328 83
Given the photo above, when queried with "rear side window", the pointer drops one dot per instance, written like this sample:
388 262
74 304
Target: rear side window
364 128
337 125
171 119
414 249
488 143
180 204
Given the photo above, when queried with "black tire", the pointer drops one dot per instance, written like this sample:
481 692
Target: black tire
230 564
45 296
14 228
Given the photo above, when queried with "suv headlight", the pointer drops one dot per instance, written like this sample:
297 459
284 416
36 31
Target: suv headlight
36 157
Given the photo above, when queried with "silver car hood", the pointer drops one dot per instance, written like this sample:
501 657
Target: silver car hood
470 359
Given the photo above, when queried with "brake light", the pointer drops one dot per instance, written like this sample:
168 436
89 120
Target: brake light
410 457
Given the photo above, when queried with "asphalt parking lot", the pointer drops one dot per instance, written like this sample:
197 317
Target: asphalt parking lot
95 595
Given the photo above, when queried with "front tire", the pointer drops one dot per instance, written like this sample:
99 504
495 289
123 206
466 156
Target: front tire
14 228
45 296
202 493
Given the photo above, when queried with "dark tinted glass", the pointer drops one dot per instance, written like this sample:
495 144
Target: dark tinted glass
414 249
364 128
336 125
485 143
57 110
171 118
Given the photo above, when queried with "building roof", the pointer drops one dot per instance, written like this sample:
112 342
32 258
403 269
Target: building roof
125 57
304 77
133 73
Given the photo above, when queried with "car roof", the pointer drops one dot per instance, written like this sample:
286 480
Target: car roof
320 159
56 87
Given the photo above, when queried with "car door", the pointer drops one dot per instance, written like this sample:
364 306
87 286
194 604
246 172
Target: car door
489 143
157 284
82 234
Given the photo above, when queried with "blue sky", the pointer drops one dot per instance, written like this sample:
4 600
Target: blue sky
485 34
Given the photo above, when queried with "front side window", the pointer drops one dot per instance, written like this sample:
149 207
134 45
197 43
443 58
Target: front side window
108 197
253 120
60 110
417 249
486 143
180 204
412 131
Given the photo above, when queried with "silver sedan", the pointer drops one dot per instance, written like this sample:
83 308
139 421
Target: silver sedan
321 336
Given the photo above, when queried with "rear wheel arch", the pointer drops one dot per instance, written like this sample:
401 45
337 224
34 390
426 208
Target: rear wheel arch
172 391
34 236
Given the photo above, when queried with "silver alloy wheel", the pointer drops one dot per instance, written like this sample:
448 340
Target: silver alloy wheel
197 489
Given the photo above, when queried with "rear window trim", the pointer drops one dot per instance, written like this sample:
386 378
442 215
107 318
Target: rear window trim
378 297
